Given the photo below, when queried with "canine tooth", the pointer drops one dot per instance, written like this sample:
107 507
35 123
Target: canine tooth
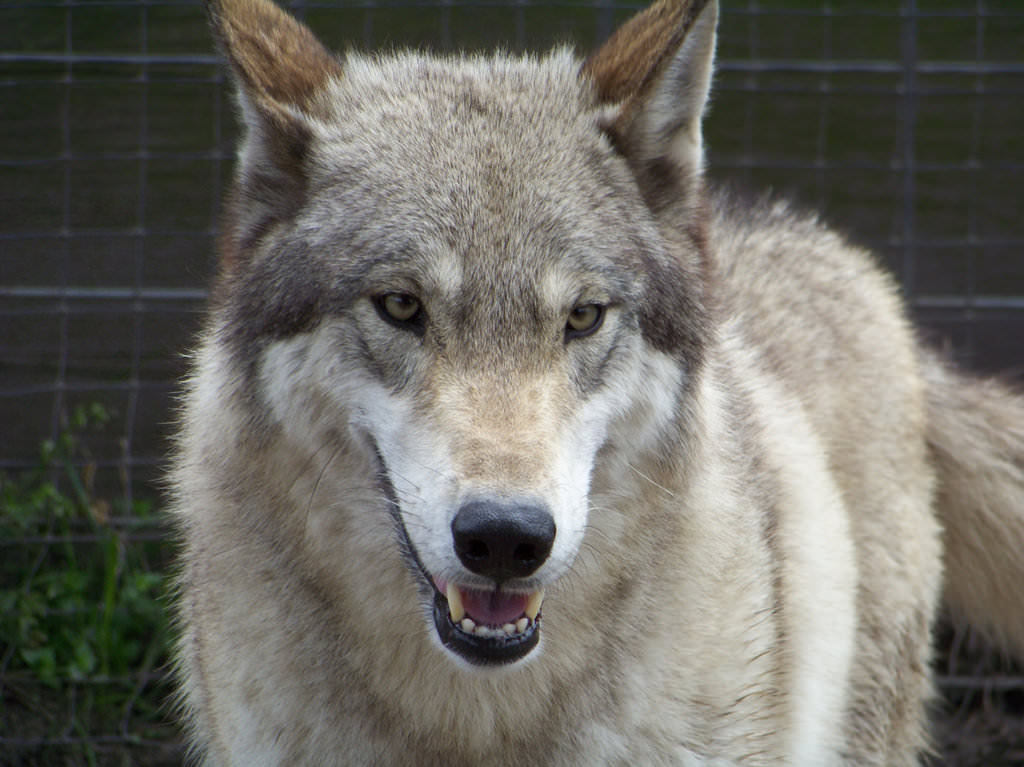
467 625
482 631
458 612
509 629
521 624
533 604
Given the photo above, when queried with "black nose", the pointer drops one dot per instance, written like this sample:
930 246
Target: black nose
503 541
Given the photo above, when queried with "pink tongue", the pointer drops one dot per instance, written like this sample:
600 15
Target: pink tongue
493 608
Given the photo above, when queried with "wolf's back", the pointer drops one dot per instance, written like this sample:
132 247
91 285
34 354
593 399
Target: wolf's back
976 436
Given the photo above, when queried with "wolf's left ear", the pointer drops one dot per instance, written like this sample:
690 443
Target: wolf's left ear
656 70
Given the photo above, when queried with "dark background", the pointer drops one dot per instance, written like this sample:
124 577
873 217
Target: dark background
900 120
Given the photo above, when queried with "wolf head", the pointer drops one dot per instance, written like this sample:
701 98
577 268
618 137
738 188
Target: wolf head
479 282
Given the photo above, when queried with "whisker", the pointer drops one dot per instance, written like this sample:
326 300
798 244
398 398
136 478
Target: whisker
640 474
307 464
316 486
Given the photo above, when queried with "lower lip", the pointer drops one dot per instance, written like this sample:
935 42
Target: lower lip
483 650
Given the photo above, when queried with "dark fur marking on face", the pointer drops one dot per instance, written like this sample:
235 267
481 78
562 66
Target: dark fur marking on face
661 183
274 298
672 315
595 376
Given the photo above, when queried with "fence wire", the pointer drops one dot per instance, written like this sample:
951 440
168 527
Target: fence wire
901 120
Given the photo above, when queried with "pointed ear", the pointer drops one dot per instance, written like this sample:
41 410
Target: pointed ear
282 73
656 71
277 61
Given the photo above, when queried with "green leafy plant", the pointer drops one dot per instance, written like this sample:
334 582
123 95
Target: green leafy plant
80 594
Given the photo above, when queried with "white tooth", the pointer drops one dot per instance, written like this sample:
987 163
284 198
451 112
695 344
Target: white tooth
533 604
455 607
509 629
521 624
482 631
468 625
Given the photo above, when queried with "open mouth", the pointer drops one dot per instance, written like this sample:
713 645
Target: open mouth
487 627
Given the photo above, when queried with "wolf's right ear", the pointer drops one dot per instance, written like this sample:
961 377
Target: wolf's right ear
282 72
279 64
655 73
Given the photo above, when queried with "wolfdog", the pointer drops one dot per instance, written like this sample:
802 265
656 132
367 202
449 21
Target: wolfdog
509 441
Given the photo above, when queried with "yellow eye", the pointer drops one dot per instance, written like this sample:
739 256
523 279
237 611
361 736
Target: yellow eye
398 307
583 320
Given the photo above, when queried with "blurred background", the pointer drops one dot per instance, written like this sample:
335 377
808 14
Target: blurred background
902 121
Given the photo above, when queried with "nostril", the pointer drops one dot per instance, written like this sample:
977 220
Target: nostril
503 541
525 553
477 550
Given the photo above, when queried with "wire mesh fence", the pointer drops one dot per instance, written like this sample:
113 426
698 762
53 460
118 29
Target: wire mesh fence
902 120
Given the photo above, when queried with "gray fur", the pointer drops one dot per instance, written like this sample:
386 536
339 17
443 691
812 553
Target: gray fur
750 461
